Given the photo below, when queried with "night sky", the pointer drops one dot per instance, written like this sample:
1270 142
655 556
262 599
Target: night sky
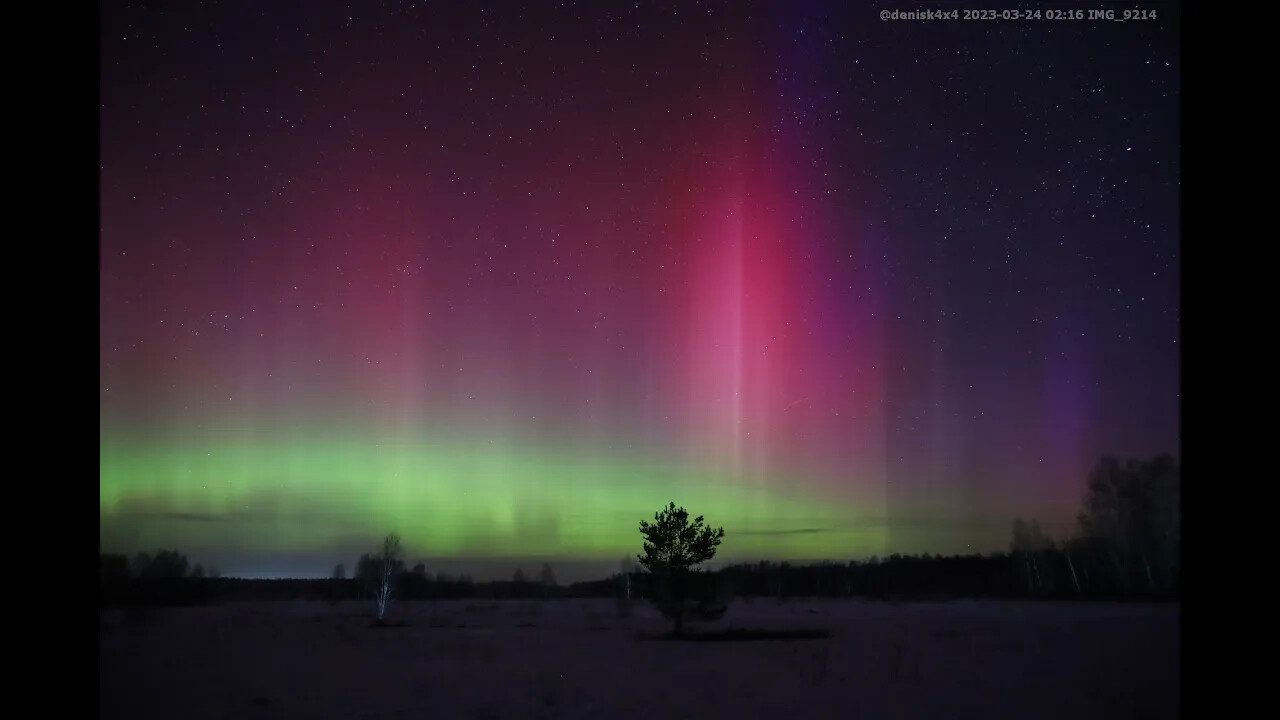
507 280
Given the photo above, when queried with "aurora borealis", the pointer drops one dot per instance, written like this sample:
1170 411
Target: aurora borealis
506 281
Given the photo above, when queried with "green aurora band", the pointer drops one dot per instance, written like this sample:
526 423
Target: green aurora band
450 499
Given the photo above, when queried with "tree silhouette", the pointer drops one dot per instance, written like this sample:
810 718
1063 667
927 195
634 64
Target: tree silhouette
673 545
1131 515
165 564
518 578
1028 543
113 569
339 572
1028 537
379 573
628 568
548 576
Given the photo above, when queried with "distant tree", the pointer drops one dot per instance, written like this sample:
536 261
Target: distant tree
213 572
337 581
140 565
197 573
113 571
165 564
547 576
420 569
844 583
518 578
1071 565
169 564
1028 537
672 546
391 564
628 568
1132 513
1028 545
378 573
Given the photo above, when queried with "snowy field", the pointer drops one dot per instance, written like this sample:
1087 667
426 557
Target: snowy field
581 659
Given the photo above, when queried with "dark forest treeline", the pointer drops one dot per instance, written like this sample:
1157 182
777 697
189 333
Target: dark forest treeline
1047 574
1128 548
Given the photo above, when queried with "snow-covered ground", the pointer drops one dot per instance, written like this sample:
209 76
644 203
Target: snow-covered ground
581 659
